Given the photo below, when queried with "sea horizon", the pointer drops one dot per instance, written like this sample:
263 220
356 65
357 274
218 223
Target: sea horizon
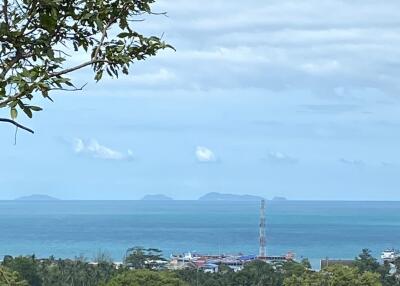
191 200
310 229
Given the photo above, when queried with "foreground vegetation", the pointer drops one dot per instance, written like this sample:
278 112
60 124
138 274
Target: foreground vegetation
44 42
29 271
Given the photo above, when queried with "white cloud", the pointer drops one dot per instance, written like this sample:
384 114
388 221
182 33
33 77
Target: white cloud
240 54
79 146
273 45
352 162
96 150
204 154
162 75
321 67
388 164
279 44
277 157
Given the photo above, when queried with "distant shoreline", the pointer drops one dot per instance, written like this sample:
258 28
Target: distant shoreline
208 197
193 200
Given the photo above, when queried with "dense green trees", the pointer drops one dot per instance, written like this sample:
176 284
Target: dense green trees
196 277
141 268
40 41
366 262
254 273
337 275
288 274
67 272
146 278
258 272
75 272
27 267
139 258
10 278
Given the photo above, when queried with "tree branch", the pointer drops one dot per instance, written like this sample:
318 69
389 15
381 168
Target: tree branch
78 67
104 34
31 8
16 124
5 12
103 37
94 59
10 98
18 56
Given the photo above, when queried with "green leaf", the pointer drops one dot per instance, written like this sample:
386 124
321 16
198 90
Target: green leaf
35 108
3 28
50 53
28 112
47 21
99 24
123 35
13 113
98 76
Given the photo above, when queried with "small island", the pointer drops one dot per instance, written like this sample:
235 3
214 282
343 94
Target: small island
229 197
279 199
37 197
157 197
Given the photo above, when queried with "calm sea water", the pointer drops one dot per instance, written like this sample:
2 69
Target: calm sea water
310 229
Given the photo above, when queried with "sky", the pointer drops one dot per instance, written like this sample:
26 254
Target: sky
266 97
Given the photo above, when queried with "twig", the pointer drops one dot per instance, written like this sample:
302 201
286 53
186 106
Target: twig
69 89
5 12
17 124
78 67
15 135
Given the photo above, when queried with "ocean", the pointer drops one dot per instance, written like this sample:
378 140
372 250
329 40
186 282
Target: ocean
312 229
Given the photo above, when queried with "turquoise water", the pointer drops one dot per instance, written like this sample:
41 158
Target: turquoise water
310 229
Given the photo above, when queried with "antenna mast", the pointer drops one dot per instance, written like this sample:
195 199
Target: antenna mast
262 251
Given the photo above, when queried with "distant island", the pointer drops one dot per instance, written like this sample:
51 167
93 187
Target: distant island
228 197
37 197
279 199
157 197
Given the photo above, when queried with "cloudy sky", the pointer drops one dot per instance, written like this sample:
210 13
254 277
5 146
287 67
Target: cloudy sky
274 98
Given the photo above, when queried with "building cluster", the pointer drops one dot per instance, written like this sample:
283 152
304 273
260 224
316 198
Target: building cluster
212 263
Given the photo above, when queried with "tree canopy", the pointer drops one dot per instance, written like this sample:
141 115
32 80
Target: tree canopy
337 275
10 278
28 270
146 278
139 258
366 262
39 39
26 266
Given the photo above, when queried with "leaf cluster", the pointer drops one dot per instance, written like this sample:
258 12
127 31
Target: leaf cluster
41 38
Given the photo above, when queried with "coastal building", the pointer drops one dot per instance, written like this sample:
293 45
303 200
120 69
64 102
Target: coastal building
176 264
390 255
211 263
